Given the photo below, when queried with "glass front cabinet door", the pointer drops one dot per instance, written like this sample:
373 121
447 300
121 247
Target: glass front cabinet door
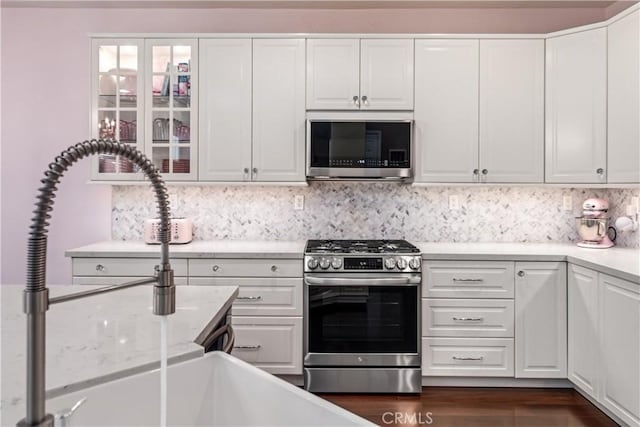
117 104
171 100
145 94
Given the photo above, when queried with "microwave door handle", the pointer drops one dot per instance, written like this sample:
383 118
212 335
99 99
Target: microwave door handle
350 281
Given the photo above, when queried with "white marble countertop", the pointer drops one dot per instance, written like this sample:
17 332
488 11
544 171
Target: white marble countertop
195 249
101 338
620 262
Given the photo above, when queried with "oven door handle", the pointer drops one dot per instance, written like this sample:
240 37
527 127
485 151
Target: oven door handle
352 281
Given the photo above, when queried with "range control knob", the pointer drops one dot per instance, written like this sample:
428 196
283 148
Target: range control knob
312 263
389 263
324 263
401 263
414 263
336 263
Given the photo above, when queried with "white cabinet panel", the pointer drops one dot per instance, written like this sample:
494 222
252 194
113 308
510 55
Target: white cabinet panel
333 74
467 317
467 279
225 110
446 110
245 267
278 110
541 320
511 110
623 142
582 331
620 347
576 102
477 357
386 74
140 267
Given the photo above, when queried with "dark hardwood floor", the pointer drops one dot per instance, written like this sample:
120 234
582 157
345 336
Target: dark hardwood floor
482 407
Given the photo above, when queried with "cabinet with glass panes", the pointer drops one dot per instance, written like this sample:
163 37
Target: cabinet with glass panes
144 94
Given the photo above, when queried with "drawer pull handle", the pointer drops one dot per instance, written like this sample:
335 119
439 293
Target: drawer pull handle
468 319
250 298
467 358
468 280
274 268
215 268
248 347
100 267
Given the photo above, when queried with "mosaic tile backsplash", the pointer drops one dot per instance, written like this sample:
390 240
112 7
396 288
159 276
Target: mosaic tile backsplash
370 210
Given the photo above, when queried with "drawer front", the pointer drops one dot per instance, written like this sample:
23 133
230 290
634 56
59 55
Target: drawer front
116 280
468 357
260 296
270 343
468 318
245 267
133 267
468 279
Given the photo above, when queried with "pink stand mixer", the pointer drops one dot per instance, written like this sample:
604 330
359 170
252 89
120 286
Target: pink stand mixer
593 225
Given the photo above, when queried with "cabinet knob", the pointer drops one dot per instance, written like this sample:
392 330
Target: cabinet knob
254 170
100 267
355 100
274 268
246 170
599 171
365 100
215 268
485 171
521 273
476 171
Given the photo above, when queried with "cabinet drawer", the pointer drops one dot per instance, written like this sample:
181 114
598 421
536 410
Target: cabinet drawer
115 280
271 343
133 267
245 267
467 318
467 279
260 296
477 357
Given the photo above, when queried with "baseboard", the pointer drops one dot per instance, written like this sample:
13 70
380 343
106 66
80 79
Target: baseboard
600 406
495 382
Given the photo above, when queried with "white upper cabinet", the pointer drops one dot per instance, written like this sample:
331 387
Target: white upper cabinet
278 110
479 110
225 110
446 110
576 102
354 74
511 110
541 320
623 144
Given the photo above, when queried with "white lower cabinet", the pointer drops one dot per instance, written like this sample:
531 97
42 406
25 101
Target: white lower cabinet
604 341
271 343
476 357
106 271
541 319
267 313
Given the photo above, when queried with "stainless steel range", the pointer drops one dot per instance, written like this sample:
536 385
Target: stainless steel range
362 316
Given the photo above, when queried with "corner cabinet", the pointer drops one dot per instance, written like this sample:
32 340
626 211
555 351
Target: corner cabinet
252 116
479 110
623 142
359 74
145 93
576 103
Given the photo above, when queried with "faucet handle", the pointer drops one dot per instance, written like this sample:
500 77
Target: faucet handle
62 419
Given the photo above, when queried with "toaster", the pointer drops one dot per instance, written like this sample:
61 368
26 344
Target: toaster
181 230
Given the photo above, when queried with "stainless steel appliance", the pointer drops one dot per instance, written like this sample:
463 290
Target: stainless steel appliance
362 316
359 149
593 225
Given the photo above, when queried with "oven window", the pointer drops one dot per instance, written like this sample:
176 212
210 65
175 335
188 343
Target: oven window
360 144
363 319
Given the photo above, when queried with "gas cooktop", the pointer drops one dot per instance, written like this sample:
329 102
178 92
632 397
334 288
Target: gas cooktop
360 247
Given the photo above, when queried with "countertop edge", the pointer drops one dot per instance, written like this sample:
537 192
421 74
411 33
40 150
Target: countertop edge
216 319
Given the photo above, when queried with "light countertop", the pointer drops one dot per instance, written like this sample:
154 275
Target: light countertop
195 249
104 337
620 262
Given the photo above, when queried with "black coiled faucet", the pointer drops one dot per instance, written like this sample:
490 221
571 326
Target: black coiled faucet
36 294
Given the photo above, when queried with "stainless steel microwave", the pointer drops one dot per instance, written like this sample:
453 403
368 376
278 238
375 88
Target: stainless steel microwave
359 149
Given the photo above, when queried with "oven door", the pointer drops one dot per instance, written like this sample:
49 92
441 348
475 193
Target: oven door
358 319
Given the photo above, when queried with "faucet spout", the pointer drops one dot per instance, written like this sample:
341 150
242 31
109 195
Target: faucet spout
36 295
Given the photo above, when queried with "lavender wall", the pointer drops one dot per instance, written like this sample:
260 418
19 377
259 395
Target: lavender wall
45 93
